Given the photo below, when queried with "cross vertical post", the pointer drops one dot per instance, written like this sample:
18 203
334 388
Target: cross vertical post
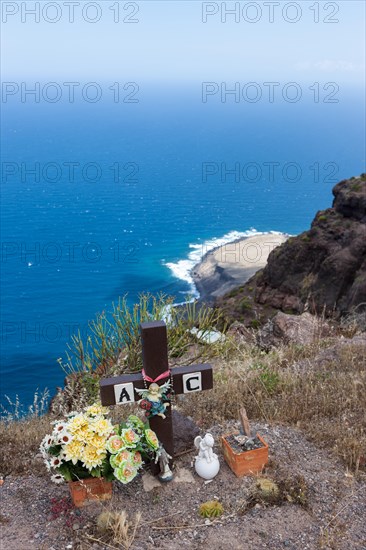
155 363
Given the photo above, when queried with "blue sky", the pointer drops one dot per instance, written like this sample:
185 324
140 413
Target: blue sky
170 43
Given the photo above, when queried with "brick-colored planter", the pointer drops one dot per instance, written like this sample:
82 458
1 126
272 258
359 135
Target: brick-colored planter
85 491
247 462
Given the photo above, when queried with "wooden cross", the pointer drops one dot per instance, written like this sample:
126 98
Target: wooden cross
120 390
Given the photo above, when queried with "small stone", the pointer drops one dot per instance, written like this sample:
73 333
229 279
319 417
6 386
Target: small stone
183 476
149 482
207 522
76 526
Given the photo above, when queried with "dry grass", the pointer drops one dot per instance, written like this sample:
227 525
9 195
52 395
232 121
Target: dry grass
20 445
117 530
21 431
326 399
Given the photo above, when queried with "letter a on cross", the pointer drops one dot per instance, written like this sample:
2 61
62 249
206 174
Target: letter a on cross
121 389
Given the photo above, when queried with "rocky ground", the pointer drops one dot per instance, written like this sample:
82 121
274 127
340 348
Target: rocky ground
36 514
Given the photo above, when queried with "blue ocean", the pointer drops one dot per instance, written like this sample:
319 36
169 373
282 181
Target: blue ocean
105 199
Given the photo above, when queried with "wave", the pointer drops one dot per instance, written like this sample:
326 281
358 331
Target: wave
182 269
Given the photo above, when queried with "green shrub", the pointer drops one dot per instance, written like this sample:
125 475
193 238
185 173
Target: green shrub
245 305
270 380
268 377
234 292
356 187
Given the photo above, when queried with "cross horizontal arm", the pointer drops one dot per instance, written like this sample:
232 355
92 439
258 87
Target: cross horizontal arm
179 375
185 380
107 394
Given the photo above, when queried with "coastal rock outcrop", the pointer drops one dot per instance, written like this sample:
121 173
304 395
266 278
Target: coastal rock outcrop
295 329
320 270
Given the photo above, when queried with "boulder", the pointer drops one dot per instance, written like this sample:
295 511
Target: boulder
350 200
296 329
242 333
185 430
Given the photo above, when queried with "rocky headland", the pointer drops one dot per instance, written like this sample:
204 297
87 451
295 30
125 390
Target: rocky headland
322 270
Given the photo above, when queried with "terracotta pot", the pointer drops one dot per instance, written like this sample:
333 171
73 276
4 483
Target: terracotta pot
85 491
246 462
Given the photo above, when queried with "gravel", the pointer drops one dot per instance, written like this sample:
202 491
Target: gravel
36 514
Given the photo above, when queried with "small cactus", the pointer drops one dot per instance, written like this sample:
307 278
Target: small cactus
266 490
211 509
267 487
296 491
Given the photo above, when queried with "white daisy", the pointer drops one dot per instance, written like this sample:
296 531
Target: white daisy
55 462
59 427
57 478
47 441
64 437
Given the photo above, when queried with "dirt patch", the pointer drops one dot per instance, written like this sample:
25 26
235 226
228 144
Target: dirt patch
37 514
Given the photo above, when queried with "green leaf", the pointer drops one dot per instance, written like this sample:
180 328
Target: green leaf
107 471
55 450
65 471
78 471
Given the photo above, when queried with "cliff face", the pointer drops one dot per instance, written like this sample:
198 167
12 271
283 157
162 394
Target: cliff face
324 267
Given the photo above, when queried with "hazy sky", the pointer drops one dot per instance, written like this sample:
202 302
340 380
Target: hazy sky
170 42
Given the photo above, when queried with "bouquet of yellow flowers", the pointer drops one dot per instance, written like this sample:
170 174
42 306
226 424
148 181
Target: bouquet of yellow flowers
87 445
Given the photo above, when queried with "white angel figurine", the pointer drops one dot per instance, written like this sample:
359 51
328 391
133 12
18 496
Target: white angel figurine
155 399
207 464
